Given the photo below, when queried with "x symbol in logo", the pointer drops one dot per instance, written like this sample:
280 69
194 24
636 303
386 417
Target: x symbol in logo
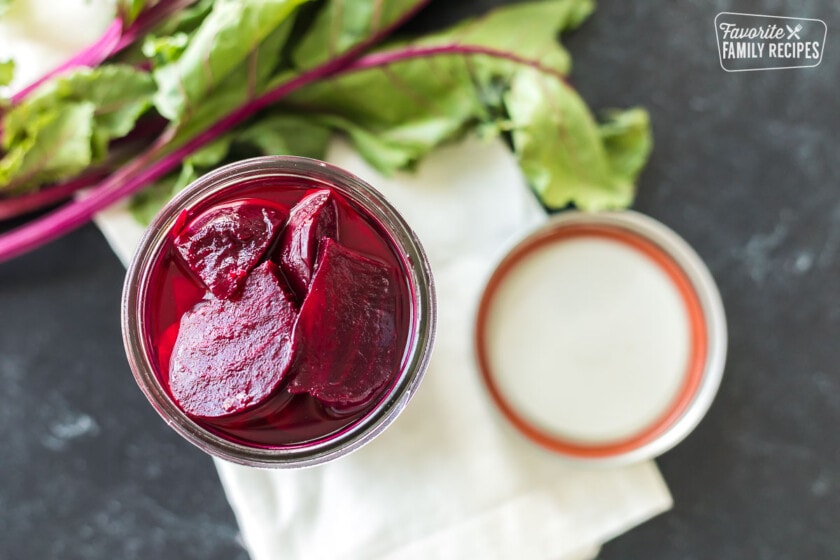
794 32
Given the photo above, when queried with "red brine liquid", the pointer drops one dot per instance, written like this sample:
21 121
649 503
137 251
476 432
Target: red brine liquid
361 262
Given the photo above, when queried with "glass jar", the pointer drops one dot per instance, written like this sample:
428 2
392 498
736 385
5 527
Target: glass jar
281 178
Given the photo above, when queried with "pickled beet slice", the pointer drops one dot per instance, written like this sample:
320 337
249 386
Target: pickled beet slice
230 355
222 245
346 330
310 221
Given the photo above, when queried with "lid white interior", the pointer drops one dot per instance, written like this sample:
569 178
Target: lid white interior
588 339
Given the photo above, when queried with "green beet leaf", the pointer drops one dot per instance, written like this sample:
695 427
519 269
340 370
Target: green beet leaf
222 45
186 20
120 93
628 140
285 134
7 72
240 87
502 73
341 25
166 49
66 124
529 30
559 145
396 115
54 144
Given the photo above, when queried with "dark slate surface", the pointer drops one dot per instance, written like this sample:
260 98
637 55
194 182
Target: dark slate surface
745 167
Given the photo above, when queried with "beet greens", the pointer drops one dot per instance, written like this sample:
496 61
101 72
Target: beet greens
196 84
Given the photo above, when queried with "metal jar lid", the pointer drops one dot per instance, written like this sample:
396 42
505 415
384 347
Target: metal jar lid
602 336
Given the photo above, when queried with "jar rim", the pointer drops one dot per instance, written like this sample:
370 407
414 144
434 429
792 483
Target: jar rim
418 345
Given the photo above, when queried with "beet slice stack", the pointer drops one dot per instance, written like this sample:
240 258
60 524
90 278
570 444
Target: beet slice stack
244 341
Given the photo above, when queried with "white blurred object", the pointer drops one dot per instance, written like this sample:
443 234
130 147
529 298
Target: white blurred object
39 35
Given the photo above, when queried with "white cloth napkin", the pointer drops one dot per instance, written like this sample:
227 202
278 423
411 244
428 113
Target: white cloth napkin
449 479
